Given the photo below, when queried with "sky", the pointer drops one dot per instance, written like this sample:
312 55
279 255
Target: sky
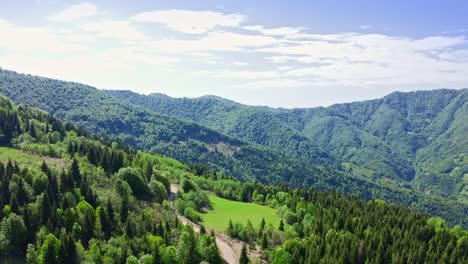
276 53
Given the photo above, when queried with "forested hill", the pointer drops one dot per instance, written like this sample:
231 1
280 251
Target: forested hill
426 130
71 197
383 135
419 139
141 127
240 121
101 113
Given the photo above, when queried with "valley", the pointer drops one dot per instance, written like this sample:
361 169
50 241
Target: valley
233 132
71 196
392 148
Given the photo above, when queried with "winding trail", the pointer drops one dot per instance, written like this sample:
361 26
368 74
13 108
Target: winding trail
229 248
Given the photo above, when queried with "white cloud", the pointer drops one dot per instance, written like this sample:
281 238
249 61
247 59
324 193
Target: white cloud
215 41
135 55
455 55
281 31
35 40
246 75
201 54
285 68
437 42
268 84
192 22
228 56
302 59
374 60
239 63
76 56
75 12
114 29
365 26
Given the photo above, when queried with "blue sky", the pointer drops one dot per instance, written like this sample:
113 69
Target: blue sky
276 53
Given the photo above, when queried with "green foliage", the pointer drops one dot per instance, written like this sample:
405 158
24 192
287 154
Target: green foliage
282 257
191 203
243 122
158 190
12 235
404 148
135 180
244 258
80 208
49 253
66 222
189 142
170 255
331 228
187 251
412 144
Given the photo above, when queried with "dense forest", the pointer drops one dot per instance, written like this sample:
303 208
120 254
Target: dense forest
395 136
68 196
418 136
141 127
326 227
103 114
416 140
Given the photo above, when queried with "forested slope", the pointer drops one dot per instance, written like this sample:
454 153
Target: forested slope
236 120
101 113
418 139
426 130
189 142
71 197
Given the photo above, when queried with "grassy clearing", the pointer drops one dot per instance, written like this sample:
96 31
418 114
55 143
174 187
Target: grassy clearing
225 210
31 159
18 155
350 167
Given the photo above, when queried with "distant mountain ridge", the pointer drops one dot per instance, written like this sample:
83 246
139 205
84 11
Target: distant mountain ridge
245 141
418 138
235 120
101 113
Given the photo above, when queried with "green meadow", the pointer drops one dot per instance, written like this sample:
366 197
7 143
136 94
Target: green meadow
225 210
18 155
30 159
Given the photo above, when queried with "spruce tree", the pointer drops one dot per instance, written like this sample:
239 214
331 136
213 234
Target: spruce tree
156 255
244 258
187 248
32 131
124 209
281 225
75 172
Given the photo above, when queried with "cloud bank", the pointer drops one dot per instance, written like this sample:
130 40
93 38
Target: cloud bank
222 53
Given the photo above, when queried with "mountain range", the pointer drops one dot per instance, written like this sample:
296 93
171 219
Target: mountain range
406 148
69 196
417 137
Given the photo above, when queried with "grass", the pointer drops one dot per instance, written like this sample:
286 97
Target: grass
31 159
18 155
225 210
350 167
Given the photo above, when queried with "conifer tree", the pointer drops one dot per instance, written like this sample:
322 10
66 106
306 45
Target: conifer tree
187 249
157 255
75 172
281 225
124 209
32 131
244 258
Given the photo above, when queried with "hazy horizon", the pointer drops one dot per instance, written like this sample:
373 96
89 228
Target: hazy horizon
255 105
